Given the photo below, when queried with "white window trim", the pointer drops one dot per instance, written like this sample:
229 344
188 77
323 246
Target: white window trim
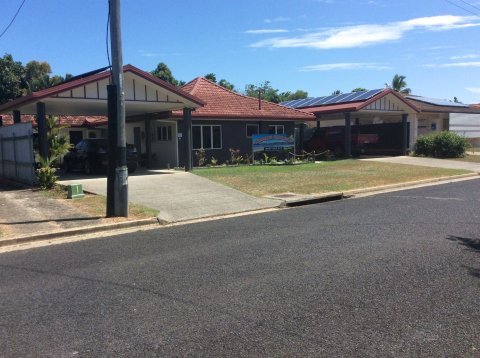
211 135
251 124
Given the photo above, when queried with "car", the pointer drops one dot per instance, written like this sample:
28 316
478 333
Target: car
91 155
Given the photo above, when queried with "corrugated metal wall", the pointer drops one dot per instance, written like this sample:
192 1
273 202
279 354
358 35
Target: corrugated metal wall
16 153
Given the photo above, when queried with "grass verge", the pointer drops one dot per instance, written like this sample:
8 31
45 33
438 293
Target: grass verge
322 177
96 205
471 158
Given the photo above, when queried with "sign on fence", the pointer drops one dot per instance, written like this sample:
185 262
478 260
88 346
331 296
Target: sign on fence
16 153
271 142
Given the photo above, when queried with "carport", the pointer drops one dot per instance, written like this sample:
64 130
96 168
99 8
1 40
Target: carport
375 107
147 98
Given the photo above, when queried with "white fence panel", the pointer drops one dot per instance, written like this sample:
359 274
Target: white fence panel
16 153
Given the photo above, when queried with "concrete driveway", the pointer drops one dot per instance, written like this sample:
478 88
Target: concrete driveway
429 162
178 195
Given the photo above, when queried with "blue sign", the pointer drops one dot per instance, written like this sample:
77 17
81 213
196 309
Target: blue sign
267 142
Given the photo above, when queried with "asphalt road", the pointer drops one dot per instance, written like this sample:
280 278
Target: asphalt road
392 275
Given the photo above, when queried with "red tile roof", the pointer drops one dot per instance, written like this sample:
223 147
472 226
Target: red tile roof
71 121
222 103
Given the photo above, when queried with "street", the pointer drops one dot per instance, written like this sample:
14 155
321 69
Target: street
391 275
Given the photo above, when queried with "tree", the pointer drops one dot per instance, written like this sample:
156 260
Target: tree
211 77
359 89
455 99
225 84
336 92
266 91
58 145
11 78
289 96
164 73
37 76
399 85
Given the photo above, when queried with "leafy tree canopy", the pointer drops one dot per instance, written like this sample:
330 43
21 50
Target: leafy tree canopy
12 75
164 73
359 89
211 77
225 84
336 92
289 96
265 90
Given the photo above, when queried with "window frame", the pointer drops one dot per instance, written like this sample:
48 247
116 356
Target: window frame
276 126
202 128
164 133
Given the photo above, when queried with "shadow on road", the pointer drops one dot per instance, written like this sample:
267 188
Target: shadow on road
470 244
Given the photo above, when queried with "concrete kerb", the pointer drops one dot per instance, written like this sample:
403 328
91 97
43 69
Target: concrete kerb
81 231
299 200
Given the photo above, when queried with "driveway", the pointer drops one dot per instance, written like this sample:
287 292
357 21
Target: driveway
178 195
429 162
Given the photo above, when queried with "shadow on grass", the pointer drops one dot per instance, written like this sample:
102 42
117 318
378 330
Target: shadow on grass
472 245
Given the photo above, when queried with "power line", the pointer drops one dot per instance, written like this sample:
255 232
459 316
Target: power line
463 8
14 17
474 6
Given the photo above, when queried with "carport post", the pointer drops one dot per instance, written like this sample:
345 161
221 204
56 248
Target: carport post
348 136
404 133
148 143
187 138
301 135
16 117
1 121
42 130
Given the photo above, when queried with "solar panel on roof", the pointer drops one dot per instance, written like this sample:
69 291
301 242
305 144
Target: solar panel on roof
368 94
437 102
340 98
333 99
301 102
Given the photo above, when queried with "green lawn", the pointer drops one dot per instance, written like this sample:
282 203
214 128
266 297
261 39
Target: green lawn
323 177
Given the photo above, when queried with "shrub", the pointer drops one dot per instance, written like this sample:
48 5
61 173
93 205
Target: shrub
235 156
46 177
442 145
200 155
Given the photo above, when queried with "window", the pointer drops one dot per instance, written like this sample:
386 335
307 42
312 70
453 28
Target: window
92 135
251 130
276 129
164 133
207 137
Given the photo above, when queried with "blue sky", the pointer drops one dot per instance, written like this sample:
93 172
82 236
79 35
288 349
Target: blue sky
315 45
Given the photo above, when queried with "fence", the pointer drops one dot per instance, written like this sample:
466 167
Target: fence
16 153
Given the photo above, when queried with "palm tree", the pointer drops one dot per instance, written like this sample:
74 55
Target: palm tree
399 85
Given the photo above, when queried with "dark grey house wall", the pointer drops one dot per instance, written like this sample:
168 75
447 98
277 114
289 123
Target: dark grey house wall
234 135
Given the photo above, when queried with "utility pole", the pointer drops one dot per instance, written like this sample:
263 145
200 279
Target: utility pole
117 182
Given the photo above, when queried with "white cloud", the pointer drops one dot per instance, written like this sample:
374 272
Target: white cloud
473 89
277 19
265 31
464 57
454 64
345 66
369 34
